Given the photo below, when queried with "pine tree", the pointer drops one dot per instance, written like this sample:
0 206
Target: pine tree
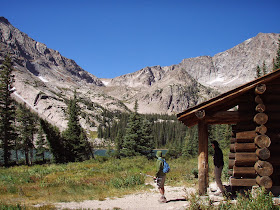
146 143
133 134
26 127
264 68
55 141
276 61
187 149
119 144
74 135
138 139
258 72
190 148
41 144
7 110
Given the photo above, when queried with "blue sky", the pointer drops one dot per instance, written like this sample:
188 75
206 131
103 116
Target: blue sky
109 38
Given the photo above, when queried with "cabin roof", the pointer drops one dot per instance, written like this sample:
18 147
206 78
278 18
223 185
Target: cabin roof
224 101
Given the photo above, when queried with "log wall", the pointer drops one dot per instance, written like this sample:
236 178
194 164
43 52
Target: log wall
255 145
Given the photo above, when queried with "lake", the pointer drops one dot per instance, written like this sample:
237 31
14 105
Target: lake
48 155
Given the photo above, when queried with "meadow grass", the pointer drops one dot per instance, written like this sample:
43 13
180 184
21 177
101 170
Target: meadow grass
21 187
98 179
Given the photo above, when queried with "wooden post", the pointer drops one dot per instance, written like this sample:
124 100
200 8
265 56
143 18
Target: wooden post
202 157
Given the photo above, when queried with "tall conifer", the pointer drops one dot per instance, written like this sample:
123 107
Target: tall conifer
133 134
26 127
74 135
258 72
7 109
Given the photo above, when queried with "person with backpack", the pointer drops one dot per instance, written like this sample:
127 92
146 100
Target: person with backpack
162 168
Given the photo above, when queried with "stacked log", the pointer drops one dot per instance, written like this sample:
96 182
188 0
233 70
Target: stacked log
249 149
262 167
242 158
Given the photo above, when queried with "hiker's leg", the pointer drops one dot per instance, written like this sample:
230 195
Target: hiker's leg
218 173
161 190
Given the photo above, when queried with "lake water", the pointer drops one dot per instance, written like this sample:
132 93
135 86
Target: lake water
98 152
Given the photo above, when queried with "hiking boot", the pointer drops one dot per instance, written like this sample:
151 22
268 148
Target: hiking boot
162 199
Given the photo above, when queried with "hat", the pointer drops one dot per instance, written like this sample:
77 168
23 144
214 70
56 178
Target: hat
159 154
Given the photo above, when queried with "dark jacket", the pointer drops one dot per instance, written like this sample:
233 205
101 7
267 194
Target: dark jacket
218 157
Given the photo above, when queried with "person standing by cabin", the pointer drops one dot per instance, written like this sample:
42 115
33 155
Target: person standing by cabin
218 163
160 176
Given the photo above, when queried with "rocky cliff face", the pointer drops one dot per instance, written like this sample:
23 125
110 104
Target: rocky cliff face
175 88
45 79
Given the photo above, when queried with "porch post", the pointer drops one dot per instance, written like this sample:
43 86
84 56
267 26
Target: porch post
202 157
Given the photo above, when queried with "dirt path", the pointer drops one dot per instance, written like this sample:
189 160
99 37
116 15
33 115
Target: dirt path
140 201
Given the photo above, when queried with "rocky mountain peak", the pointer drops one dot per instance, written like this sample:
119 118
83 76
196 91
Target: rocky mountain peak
44 79
4 20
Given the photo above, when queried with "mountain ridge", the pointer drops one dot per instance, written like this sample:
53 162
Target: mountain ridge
44 79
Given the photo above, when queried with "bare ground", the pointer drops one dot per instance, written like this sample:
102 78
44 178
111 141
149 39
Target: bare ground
141 201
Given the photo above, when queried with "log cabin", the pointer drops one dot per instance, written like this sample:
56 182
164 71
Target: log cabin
253 111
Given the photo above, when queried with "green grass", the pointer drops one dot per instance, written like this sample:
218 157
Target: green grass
94 179
257 199
103 177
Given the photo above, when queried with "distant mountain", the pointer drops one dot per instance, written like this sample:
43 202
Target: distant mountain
44 79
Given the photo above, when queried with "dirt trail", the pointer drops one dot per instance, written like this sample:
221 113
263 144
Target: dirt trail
141 201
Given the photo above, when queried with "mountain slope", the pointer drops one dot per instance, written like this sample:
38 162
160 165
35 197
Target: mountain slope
45 80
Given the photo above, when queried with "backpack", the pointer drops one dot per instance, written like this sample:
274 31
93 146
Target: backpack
166 167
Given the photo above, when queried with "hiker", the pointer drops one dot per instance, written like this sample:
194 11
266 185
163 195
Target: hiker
218 163
160 176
